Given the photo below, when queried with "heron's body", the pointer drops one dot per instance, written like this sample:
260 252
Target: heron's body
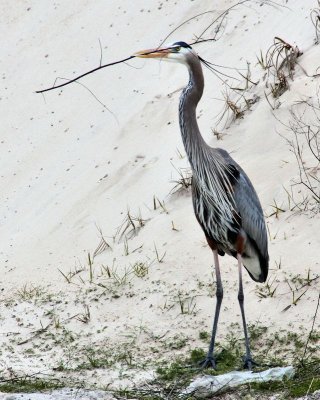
224 200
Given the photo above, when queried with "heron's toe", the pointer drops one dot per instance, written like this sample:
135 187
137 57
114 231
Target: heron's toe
208 362
248 363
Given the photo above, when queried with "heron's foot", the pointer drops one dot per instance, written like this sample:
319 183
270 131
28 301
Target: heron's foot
248 363
208 362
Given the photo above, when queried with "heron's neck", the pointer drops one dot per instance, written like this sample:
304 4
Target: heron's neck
193 141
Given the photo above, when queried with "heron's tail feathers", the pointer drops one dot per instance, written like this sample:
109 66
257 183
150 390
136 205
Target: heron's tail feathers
255 262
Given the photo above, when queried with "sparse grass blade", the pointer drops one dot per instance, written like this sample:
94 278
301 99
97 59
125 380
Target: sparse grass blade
159 258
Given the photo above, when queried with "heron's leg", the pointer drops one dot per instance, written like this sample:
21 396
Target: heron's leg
210 361
248 362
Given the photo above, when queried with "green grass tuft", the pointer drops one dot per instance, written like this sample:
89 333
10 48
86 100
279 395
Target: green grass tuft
23 385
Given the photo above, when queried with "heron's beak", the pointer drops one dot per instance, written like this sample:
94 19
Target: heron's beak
153 53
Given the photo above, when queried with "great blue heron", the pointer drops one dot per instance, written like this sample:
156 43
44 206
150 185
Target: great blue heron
224 200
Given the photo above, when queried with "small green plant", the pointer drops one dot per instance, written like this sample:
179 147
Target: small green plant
118 278
311 346
160 203
267 290
130 226
177 342
184 181
56 322
301 281
102 246
277 210
72 273
85 316
175 370
257 333
95 360
29 383
295 298
262 60
140 269
30 292
167 306
114 276
197 355
187 304
203 335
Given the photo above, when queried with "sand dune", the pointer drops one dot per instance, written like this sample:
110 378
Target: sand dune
75 163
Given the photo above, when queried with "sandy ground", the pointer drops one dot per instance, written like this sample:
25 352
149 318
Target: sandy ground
75 163
64 394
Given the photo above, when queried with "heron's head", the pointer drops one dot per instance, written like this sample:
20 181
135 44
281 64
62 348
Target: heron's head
179 52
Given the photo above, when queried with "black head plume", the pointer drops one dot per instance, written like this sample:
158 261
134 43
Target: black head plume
182 44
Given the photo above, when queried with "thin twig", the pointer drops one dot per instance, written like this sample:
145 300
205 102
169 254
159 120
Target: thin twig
82 75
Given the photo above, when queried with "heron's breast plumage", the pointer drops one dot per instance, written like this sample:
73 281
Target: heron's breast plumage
217 217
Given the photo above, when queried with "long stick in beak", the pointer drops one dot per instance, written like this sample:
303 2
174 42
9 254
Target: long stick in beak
152 53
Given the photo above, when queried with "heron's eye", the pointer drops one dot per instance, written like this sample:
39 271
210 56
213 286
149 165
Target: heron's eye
176 49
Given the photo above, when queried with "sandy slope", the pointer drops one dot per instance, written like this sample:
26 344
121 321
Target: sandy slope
71 167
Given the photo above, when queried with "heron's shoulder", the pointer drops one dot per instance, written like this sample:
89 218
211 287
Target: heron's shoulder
224 155
220 151
229 163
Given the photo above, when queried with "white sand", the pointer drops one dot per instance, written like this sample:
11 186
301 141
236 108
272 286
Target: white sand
69 167
64 394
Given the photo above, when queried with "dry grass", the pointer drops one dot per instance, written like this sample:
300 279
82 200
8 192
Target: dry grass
279 63
315 19
303 139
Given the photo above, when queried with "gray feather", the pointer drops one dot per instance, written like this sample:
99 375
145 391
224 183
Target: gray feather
224 200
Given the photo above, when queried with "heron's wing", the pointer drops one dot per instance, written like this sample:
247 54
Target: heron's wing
250 211
248 208
247 204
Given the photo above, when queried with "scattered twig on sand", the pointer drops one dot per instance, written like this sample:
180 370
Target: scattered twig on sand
315 19
304 143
